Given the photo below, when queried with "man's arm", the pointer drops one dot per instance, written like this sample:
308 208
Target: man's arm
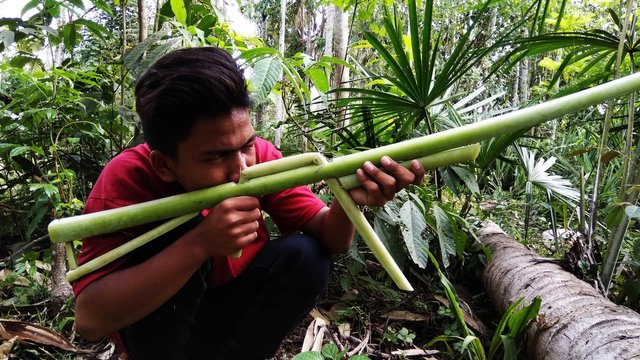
332 226
126 296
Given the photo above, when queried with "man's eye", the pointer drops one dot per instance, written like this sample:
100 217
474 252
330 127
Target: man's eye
213 158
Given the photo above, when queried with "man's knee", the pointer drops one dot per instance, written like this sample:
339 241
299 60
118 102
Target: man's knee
307 259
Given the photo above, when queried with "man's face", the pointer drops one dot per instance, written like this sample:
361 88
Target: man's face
215 152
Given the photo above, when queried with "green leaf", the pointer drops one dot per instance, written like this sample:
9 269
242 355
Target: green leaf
20 150
7 146
69 36
96 29
496 340
133 59
359 357
633 211
103 5
614 217
50 190
413 224
37 213
319 78
266 73
445 234
30 5
309 355
468 341
77 3
510 348
521 319
254 54
468 178
390 237
179 10
330 351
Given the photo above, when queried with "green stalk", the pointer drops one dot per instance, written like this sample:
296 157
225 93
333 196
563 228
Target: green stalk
111 220
126 248
78 227
467 153
604 139
369 235
350 208
615 244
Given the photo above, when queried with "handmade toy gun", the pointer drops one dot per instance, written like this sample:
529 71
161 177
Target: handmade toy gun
433 151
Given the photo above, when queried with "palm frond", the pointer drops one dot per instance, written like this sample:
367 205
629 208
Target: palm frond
538 175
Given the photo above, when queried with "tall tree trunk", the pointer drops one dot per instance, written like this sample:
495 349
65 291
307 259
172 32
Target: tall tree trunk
341 44
515 97
142 21
523 78
281 48
123 8
615 242
60 287
156 17
328 30
575 321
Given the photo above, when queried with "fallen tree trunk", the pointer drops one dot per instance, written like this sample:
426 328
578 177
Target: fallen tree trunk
575 321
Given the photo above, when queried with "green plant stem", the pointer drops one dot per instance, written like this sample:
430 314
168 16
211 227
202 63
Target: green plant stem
127 247
78 227
605 135
582 204
350 208
613 250
368 235
628 169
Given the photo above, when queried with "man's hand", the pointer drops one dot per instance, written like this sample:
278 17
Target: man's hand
378 186
230 226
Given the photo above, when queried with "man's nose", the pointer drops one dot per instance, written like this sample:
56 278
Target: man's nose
238 162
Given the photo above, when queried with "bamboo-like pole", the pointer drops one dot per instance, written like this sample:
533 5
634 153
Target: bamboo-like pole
108 257
78 227
342 196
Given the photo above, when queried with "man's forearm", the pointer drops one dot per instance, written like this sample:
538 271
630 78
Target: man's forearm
124 297
332 228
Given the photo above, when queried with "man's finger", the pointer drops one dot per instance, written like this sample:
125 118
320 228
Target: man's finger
387 183
419 172
403 177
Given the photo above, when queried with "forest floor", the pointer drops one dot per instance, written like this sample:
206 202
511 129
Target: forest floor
359 314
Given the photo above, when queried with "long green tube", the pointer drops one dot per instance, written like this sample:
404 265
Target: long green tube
78 227
338 187
111 220
108 257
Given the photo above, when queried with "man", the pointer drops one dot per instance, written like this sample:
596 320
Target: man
182 296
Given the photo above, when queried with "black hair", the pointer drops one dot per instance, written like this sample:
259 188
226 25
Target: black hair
183 87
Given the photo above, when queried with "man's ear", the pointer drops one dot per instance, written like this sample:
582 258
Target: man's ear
162 165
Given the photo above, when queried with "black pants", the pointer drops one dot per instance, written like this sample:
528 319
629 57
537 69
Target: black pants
247 318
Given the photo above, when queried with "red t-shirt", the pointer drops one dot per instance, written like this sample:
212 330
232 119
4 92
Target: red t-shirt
129 179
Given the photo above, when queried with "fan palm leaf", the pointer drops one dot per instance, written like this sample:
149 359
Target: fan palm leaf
538 175
415 75
598 47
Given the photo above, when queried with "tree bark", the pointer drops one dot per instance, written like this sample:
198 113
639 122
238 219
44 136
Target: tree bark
281 48
575 321
142 21
60 288
341 45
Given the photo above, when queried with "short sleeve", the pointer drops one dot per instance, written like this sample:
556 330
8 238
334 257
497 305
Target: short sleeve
291 208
